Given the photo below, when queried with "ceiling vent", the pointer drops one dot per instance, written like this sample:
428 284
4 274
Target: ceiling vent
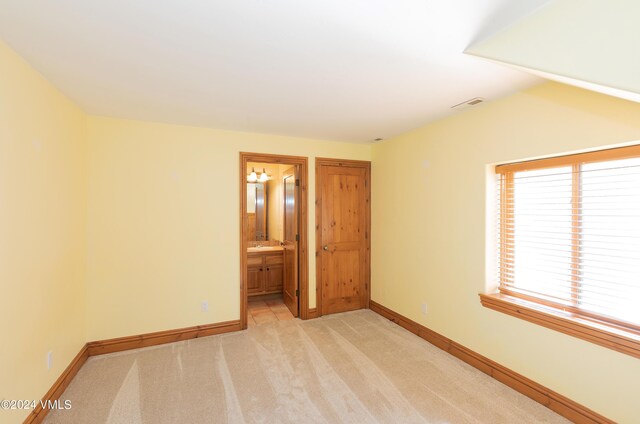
469 103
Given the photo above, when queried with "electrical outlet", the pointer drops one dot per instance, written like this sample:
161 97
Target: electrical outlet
424 309
49 359
204 306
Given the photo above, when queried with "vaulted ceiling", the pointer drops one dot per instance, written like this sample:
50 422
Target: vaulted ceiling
331 69
593 44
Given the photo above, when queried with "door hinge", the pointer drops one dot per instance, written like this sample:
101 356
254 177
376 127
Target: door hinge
297 182
297 292
297 237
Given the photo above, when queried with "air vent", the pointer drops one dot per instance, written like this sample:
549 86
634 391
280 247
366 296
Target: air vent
468 103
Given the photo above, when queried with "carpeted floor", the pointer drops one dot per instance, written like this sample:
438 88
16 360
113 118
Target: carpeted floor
355 367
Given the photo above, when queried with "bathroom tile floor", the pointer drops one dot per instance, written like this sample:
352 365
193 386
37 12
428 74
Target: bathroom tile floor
271 309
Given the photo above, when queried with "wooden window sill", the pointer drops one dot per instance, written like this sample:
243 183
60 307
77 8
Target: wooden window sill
598 332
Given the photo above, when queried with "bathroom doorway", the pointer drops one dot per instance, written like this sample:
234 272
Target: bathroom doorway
273 238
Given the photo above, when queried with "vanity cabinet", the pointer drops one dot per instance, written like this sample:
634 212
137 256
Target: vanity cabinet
265 272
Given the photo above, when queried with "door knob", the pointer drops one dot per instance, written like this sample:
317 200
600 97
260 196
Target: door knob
325 247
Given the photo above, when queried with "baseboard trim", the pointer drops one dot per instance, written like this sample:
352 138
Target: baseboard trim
541 394
161 337
120 344
312 313
37 415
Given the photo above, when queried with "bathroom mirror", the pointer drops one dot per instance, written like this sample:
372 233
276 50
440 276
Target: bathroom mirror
257 211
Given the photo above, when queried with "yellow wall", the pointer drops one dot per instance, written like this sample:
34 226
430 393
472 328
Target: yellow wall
275 214
143 218
163 222
42 231
429 199
275 205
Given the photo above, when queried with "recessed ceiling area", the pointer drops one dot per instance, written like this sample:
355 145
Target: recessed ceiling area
348 71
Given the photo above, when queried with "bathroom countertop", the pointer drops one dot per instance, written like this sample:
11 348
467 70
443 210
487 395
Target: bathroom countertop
264 249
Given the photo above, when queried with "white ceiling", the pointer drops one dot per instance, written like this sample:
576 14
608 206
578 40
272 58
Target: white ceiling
349 70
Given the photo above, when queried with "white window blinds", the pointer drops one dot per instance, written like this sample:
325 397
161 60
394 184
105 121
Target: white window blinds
569 233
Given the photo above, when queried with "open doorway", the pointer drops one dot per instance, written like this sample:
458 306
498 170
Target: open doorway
273 238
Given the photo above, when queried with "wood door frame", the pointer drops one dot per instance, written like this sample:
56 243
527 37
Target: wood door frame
355 164
300 162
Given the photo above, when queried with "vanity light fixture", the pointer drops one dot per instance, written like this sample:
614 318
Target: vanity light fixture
263 177
252 177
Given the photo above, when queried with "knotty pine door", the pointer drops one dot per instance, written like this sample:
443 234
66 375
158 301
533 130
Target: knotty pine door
343 212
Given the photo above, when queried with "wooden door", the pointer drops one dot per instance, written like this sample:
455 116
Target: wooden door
290 287
343 209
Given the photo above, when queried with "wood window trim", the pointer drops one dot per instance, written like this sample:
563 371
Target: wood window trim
570 318
600 332
568 160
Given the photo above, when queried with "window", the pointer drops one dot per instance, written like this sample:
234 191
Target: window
569 245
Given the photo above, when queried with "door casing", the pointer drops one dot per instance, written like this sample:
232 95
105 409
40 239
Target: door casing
300 163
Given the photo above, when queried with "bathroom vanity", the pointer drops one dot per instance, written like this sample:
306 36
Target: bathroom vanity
265 270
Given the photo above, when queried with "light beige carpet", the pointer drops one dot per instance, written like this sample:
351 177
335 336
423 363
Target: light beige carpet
355 367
